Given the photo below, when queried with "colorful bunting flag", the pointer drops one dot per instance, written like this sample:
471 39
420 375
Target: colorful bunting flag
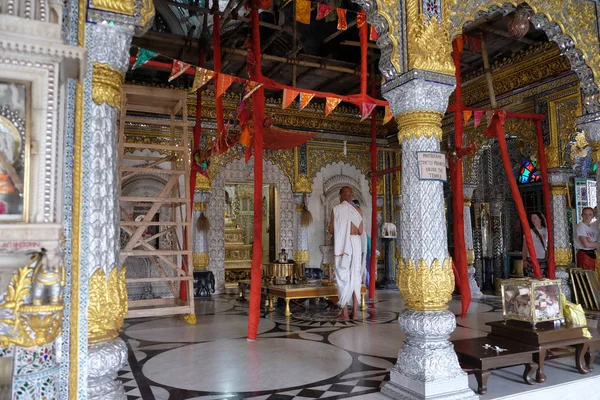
143 56
288 96
303 11
251 87
179 67
388 115
323 10
361 18
467 114
366 109
373 34
488 116
223 83
342 24
330 104
305 98
201 78
478 116
245 136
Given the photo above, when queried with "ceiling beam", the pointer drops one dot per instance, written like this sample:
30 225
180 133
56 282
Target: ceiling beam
338 33
489 28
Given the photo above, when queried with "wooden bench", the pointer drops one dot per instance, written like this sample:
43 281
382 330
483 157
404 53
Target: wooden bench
473 353
306 291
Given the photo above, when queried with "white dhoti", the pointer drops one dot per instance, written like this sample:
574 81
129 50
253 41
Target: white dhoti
348 253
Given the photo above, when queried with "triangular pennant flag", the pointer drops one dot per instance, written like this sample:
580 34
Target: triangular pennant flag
251 87
489 114
323 10
366 109
467 114
223 83
305 98
388 115
179 67
201 78
361 18
143 56
303 11
342 24
330 104
373 34
478 116
288 96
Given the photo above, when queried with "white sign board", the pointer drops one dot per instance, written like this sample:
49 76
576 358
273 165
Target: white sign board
432 166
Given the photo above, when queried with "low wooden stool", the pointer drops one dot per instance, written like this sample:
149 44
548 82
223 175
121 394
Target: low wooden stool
472 353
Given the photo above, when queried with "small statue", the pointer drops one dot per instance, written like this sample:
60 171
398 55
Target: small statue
48 279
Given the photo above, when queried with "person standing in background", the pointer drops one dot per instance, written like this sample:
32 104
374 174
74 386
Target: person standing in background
586 240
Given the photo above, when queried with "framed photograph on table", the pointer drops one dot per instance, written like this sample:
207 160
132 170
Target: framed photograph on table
14 150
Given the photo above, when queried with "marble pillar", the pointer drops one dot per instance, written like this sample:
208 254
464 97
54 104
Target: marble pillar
590 124
200 257
563 251
497 238
468 190
427 366
301 254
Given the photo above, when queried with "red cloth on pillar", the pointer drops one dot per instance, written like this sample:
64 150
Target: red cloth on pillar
546 194
496 129
258 104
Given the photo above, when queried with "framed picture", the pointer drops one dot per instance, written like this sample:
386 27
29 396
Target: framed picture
14 150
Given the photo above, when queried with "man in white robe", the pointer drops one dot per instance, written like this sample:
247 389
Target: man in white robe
346 225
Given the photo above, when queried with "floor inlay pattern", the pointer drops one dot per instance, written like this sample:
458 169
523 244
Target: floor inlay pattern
310 355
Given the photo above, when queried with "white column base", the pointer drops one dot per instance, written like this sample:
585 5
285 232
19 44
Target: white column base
427 366
475 291
105 359
404 388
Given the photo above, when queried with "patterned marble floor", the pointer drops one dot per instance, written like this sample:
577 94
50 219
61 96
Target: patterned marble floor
307 356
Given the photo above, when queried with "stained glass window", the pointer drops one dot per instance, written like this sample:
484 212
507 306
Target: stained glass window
529 172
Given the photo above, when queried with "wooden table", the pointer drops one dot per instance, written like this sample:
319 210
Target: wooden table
473 354
307 291
544 336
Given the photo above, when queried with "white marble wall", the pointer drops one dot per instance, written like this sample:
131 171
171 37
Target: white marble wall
316 232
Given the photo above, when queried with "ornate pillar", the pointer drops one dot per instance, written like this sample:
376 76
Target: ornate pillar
497 238
101 287
590 124
427 366
200 257
563 252
468 190
301 254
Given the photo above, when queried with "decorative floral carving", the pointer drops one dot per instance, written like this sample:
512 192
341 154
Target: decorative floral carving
107 304
424 287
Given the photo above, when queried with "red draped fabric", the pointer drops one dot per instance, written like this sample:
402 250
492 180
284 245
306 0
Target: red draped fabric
279 139
460 247
496 129
258 104
547 206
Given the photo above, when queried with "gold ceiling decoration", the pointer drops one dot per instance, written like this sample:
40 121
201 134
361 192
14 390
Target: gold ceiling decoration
576 19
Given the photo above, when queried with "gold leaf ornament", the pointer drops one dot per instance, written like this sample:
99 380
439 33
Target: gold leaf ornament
424 287
107 305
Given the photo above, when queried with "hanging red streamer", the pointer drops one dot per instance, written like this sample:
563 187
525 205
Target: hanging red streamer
342 24
361 18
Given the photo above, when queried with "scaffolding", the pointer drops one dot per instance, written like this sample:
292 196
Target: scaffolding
156 227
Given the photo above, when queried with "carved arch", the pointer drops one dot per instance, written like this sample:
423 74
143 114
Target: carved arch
572 25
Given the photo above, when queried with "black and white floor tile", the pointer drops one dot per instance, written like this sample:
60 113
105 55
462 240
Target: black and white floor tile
307 356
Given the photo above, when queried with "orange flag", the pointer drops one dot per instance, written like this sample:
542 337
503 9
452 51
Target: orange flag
179 67
467 114
305 98
289 95
366 109
361 18
388 115
223 83
330 104
342 24
201 78
303 11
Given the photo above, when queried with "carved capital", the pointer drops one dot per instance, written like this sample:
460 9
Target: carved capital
107 305
417 124
423 287
106 84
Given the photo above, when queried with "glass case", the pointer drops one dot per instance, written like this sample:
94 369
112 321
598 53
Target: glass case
532 300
